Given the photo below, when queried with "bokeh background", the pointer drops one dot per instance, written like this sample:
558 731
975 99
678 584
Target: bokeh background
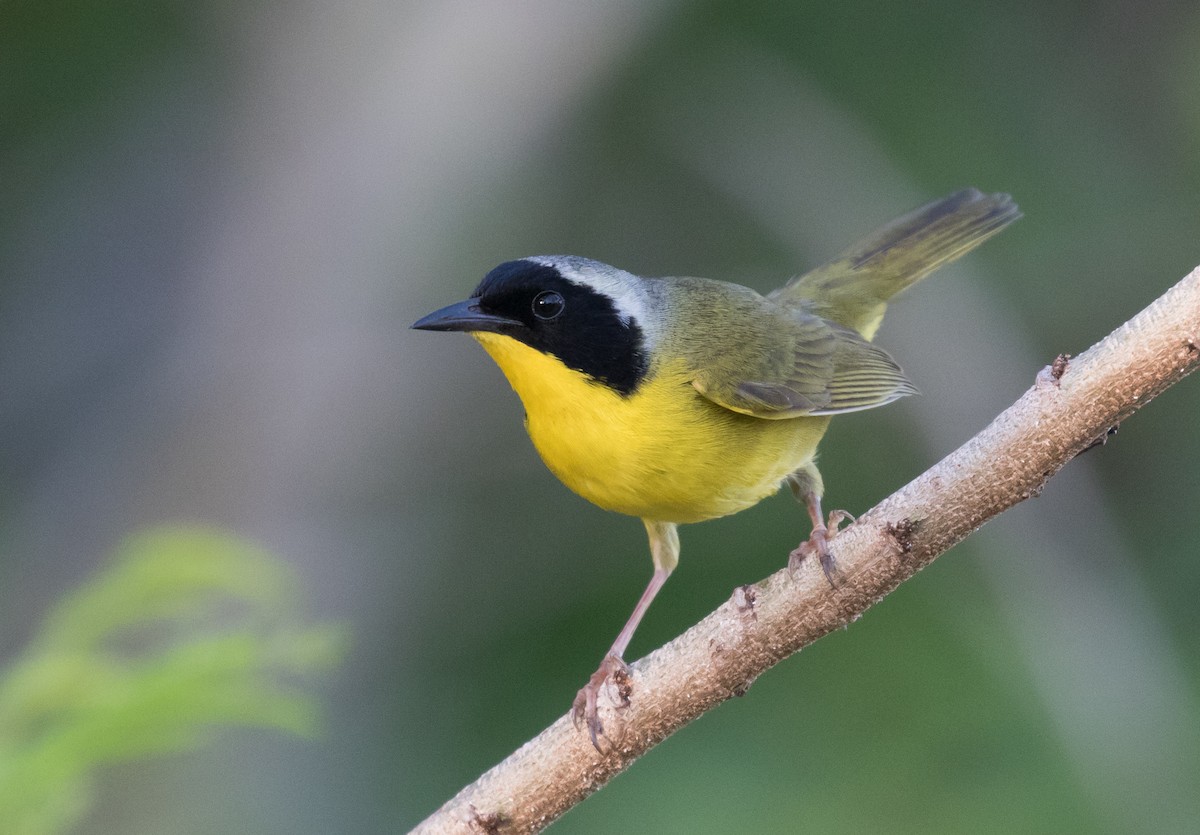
217 221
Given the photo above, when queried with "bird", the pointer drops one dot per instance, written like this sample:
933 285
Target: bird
679 399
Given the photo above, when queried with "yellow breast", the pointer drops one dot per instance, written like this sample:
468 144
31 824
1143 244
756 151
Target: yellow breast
664 452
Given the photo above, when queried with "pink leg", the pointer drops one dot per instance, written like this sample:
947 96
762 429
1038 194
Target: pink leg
664 548
656 582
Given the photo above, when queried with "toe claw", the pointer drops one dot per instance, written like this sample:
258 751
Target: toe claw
822 532
836 517
585 708
595 731
798 555
818 544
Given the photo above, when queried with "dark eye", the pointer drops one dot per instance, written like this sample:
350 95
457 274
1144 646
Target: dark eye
548 304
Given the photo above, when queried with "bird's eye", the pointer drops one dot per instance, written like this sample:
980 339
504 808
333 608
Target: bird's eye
548 304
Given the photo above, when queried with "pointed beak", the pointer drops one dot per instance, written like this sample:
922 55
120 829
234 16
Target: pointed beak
465 316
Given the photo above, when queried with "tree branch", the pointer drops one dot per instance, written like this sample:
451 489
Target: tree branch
1073 404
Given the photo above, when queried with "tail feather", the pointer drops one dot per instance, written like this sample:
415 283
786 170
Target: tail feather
853 289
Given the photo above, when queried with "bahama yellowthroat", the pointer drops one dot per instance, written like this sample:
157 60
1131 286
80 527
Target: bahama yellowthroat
683 399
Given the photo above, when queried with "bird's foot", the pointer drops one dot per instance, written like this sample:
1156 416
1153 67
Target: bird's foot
584 709
818 543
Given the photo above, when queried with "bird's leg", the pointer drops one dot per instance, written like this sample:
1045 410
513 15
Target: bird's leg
806 485
664 549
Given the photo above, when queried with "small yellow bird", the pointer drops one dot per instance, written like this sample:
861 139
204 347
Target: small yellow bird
683 399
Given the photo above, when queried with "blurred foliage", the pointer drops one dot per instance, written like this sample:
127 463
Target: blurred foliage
188 631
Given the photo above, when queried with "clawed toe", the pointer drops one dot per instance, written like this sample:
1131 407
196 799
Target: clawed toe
585 708
818 544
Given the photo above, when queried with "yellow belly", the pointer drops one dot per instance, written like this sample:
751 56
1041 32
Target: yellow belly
663 453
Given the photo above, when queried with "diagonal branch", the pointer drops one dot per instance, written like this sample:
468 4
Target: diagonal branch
1072 405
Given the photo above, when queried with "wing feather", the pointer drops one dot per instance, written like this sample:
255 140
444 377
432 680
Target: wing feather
825 369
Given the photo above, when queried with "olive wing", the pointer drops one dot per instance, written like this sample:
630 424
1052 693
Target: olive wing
801 365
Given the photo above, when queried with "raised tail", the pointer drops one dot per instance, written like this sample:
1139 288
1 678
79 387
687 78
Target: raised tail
853 289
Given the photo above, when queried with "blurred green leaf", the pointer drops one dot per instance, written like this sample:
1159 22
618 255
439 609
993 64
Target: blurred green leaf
188 630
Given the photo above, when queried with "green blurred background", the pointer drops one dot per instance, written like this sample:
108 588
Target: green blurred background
217 221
